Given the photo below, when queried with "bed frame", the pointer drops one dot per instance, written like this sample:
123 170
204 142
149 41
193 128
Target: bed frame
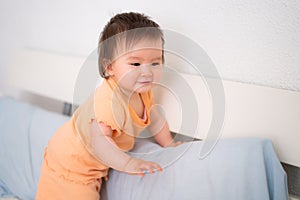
250 110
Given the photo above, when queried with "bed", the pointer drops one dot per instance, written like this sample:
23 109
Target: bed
242 163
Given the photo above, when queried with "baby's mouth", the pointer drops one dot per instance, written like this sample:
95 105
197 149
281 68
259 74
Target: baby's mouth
145 82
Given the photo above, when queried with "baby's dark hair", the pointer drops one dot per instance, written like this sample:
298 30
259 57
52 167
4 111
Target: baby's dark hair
131 27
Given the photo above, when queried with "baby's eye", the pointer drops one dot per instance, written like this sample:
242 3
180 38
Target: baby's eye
136 64
155 64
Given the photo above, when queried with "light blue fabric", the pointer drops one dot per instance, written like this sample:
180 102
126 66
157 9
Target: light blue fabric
24 133
237 169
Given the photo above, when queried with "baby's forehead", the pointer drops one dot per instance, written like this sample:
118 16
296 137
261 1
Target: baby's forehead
145 46
127 46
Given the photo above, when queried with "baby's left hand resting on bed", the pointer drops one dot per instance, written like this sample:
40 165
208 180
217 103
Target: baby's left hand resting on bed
174 144
136 166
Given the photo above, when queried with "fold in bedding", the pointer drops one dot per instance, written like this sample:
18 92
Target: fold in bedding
24 131
236 169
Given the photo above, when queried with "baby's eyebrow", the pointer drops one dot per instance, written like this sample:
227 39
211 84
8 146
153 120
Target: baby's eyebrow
141 59
157 58
134 58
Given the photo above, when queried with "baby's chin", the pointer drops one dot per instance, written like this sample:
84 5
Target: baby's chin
144 88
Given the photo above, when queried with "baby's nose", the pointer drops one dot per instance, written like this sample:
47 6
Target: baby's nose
146 70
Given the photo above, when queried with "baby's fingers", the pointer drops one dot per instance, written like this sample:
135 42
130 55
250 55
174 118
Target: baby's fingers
178 143
156 167
175 144
151 167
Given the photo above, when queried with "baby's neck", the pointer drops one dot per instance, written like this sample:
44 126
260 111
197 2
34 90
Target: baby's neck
128 94
136 102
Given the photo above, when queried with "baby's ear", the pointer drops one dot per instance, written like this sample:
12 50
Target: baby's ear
109 70
106 63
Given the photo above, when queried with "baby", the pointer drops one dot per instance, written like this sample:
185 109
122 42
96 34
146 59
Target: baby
103 128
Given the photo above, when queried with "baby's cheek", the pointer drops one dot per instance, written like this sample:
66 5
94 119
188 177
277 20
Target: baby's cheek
128 80
157 74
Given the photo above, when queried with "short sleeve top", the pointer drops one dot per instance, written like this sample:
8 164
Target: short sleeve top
108 105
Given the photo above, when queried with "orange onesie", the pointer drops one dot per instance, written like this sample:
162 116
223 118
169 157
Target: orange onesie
70 169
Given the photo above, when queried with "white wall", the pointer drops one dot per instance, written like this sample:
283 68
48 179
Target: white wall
249 41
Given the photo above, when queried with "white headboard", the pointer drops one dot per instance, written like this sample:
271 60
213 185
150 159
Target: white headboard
250 110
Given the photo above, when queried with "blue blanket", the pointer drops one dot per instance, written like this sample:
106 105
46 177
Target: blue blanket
237 169
24 133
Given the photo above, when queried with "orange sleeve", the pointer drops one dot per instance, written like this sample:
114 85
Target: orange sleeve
108 110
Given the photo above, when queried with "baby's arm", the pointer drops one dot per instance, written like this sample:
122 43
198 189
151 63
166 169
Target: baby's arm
164 137
159 128
108 152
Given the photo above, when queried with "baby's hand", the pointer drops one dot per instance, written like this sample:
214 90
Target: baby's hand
174 144
140 167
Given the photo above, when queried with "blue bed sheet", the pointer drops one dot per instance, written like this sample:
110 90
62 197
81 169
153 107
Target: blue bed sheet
24 132
237 169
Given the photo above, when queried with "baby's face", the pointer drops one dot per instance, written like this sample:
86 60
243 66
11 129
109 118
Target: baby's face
140 68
